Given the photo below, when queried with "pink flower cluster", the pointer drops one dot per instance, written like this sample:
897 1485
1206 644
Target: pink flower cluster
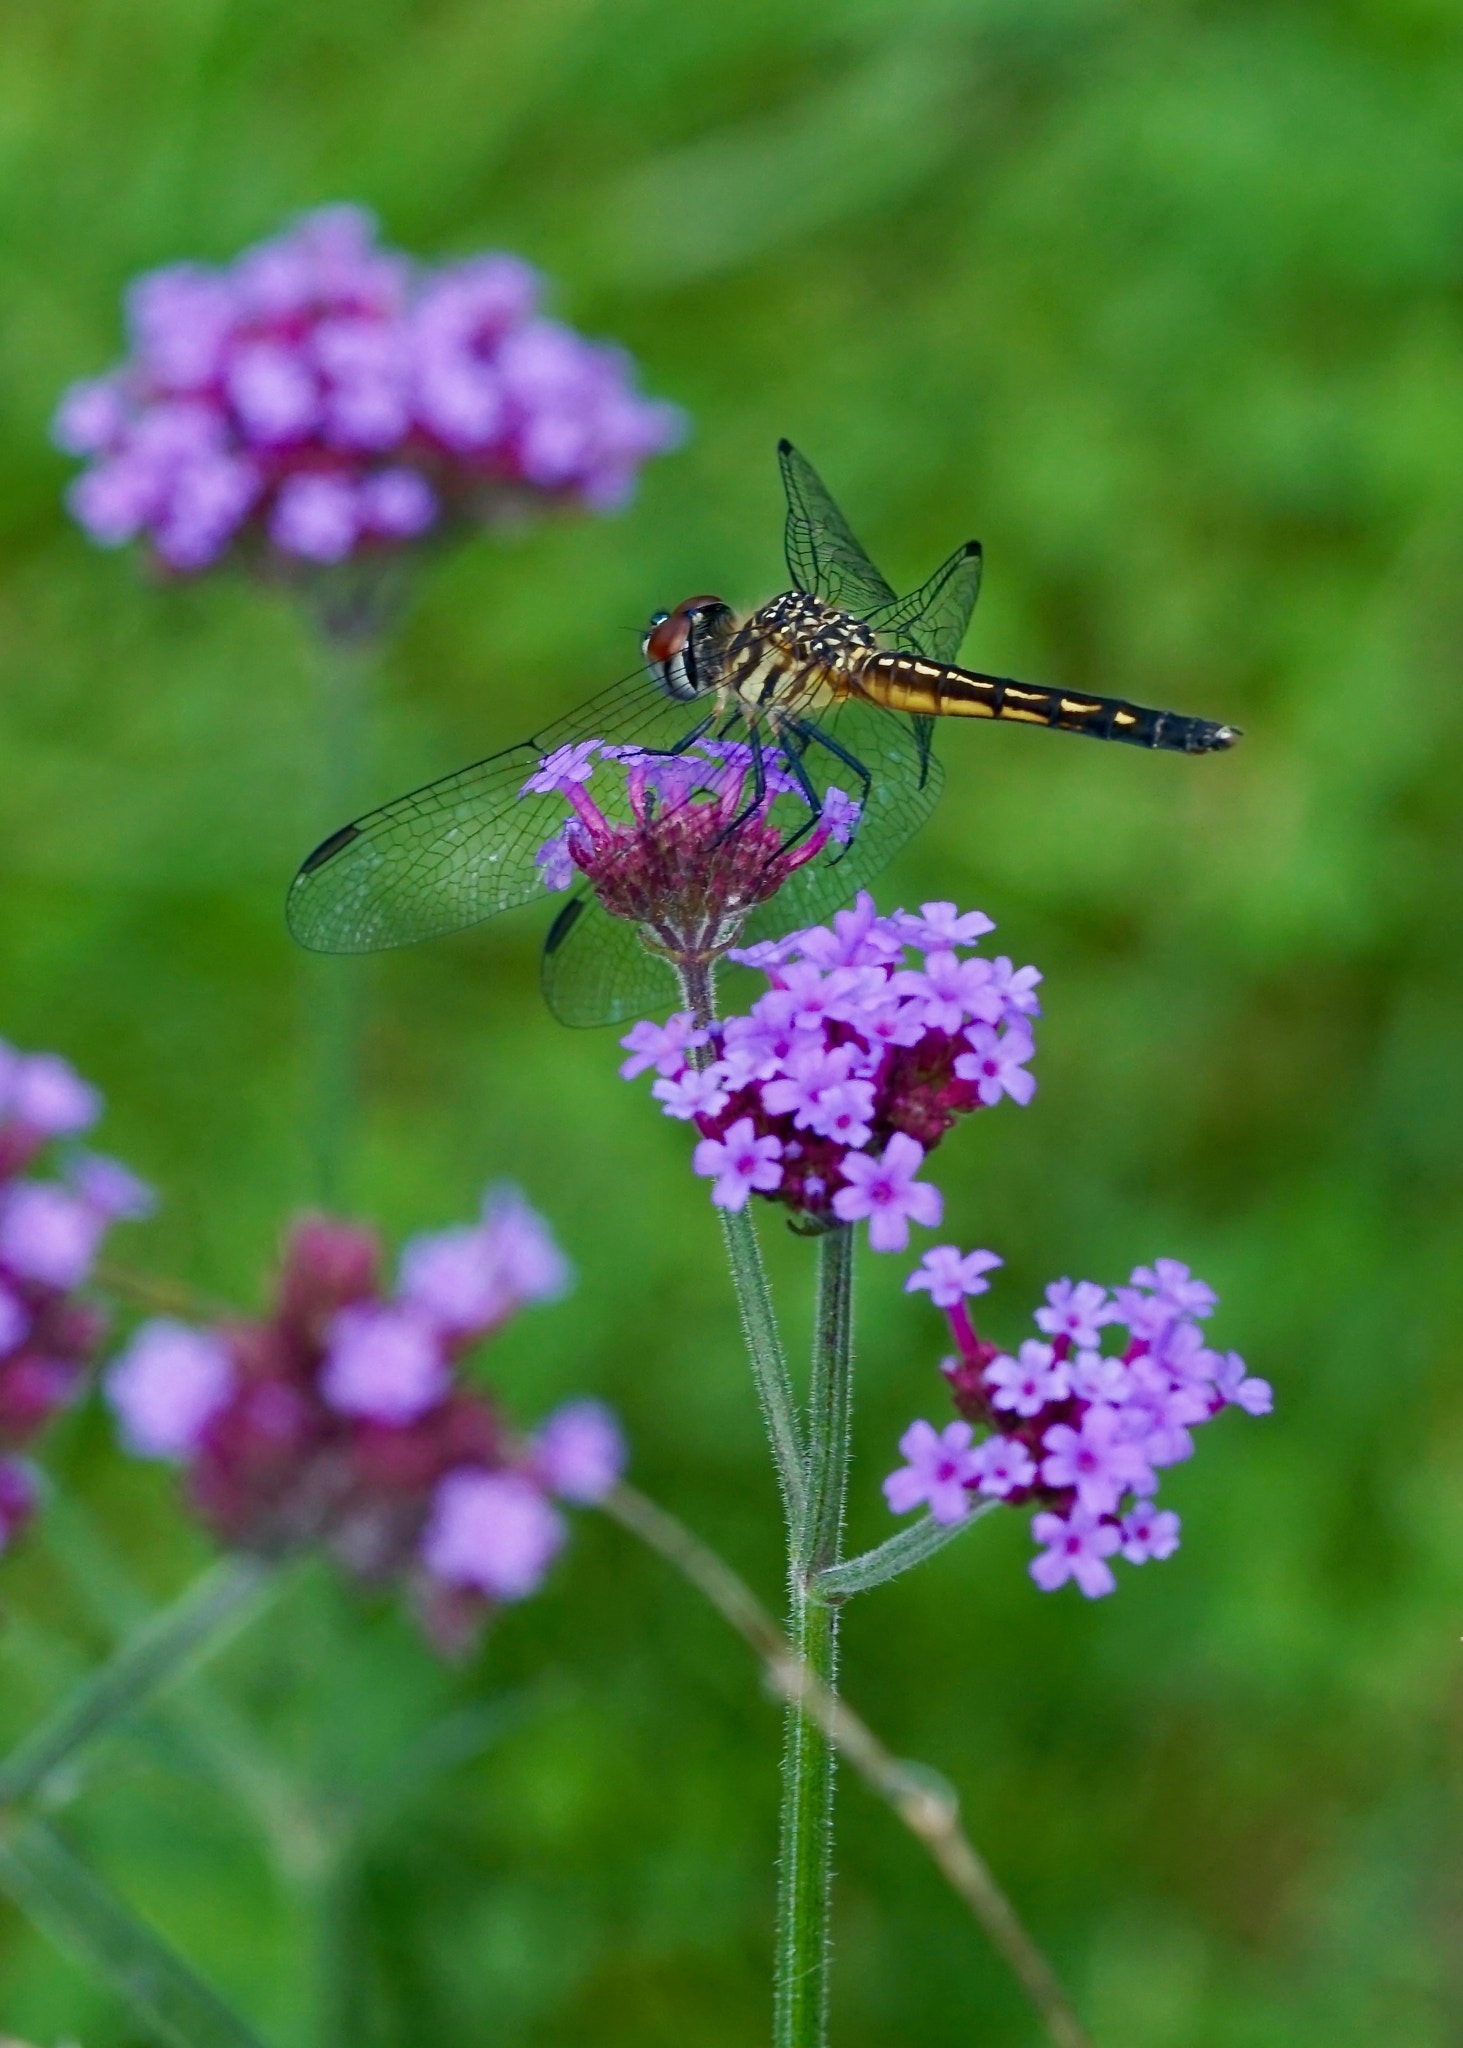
1080 1432
328 396
341 1419
674 866
828 1095
50 1232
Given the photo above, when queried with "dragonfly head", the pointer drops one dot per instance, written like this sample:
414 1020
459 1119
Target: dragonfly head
680 646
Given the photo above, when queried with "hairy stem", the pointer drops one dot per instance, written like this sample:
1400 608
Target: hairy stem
754 1297
886 1561
931 1816
805 1875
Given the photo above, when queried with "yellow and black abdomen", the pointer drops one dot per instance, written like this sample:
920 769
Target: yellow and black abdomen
905 682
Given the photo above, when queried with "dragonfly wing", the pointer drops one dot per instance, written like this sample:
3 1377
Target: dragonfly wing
932 620
595 970
904 785
822 555
448 855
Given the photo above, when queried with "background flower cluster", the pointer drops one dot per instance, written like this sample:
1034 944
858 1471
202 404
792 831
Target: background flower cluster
1070 1426
343 1418
51 1229
829 1093
324 395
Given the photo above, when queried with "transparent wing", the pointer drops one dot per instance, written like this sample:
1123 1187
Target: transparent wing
595 970
448 855
822 555
904 785
933 619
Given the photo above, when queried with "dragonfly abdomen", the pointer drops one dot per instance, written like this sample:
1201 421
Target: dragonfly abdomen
904 682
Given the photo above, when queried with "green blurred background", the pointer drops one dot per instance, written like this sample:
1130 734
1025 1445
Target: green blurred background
1165 303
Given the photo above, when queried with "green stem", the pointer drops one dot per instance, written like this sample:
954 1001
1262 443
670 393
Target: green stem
754 1296
909 1547
214 1605
805 1877
61 1895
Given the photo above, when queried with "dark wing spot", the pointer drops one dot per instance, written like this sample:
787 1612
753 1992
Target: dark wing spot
328 848
564 923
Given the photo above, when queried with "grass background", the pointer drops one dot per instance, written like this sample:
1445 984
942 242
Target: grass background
1165 303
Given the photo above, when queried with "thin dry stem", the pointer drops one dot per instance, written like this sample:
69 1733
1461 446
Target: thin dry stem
934 1820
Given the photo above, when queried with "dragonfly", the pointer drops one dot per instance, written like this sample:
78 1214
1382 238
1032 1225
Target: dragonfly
835 685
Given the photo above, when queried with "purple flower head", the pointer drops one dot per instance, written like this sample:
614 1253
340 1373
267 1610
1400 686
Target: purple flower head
886 1192
996 1064
1076 1548
1097 1459
384 1363
1025 1384
941 1465
739 1163
580 1452
1149 1532
1075 1309
166 1386
950 1274
493 1532
327 395
48 1234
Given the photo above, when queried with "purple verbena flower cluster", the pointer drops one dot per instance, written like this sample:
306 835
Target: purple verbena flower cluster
327 396
341 1419
670 862
50 1232
828 1095
1082 1434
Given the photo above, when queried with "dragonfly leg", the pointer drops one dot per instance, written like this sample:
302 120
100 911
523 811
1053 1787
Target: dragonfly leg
759 787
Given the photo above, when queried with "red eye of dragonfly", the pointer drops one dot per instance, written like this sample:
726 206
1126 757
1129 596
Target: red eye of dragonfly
666 640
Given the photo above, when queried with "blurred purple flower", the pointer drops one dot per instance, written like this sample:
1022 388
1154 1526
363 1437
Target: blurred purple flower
333 398
580 1452
384 1363
166 1385
493 1532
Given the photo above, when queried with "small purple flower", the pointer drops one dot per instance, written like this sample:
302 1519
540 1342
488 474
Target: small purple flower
1171 1282
493 1532
315 517
740 1164
662 1046
996 1063
1016 986
48 1234
840 815
692 1093
940 926
1075 1549
1078 1310
562 770
1096 1458
940 1464
1003 1465
554 861
1241 1390
110 1188
950 1275
1025 1384
579 1453
886 1192
1149 1532
46 1094
1094 1378
166 1386
384 1363
950 991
